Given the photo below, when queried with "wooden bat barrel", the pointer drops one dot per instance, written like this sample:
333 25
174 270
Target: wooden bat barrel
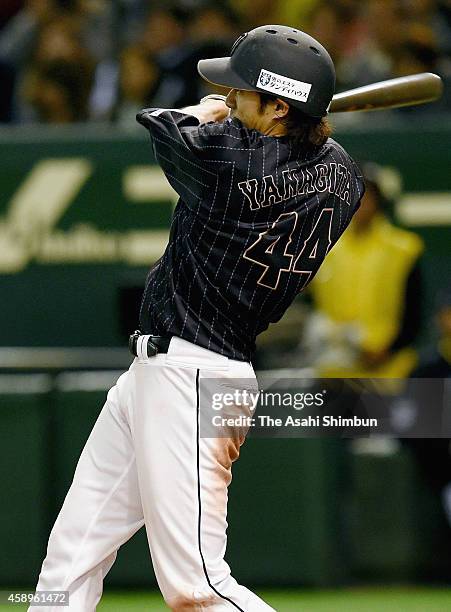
403 91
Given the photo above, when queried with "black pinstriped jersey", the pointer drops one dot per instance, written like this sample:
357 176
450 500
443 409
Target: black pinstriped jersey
255 219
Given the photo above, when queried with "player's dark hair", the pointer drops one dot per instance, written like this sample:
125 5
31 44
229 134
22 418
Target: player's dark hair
302 130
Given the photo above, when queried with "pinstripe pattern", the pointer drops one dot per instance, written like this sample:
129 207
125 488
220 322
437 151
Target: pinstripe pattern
203 289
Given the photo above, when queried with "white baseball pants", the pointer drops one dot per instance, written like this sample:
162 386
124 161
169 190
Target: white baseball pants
145 462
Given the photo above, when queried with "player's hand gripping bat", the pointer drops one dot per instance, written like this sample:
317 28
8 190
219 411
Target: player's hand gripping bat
404 91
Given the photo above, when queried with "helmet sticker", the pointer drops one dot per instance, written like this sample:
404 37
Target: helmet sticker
283 86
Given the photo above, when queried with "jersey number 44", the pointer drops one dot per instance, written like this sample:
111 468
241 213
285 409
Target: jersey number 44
273 249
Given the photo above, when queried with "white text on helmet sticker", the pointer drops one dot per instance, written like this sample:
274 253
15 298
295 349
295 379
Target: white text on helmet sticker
283 86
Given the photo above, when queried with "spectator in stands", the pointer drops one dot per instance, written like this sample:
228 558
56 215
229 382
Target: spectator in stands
17 38
373 60
367 295
164 32
164 38
435 15
21 35
60 39
338 27
213 28
139 80
419 53
213 21
255 12
43 32
61 68
48 30
177 39
8 8
59 92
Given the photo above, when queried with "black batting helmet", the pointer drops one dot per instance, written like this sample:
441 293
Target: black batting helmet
278 60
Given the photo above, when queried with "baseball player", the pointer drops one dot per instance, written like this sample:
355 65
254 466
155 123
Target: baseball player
264 195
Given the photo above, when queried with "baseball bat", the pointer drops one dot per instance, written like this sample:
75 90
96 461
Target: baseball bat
403 91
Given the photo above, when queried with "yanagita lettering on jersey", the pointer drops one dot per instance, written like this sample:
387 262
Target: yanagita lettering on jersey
332 177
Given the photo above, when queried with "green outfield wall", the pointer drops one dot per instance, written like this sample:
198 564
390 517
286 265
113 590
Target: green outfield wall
84 212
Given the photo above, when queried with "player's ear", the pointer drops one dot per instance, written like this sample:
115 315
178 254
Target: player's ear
281 109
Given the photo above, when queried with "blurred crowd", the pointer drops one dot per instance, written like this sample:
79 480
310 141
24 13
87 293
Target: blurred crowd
66 61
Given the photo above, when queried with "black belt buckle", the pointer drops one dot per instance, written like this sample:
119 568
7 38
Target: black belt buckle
151 345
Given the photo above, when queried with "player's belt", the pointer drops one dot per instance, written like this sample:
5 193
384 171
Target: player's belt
143 345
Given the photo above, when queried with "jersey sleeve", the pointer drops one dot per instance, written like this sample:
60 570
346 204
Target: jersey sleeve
177 143
359 185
